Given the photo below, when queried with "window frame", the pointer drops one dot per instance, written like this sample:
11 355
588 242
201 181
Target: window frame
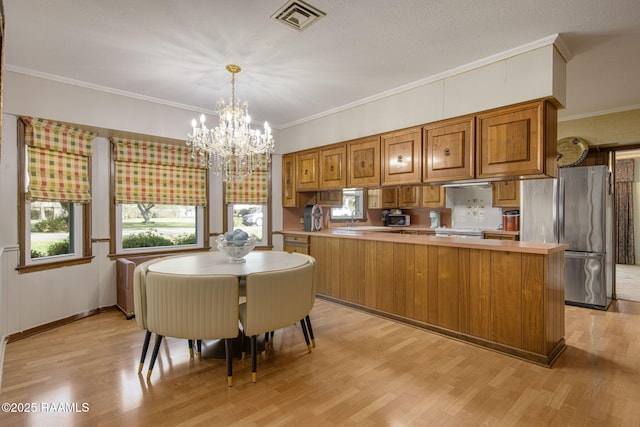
81 225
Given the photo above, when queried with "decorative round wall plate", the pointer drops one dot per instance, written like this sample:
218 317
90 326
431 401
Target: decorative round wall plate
571 151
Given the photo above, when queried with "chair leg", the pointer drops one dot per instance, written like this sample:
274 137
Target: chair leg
243 337
190 344
313 340
306 335
154 355
199 343
254 358
145 347
266 341
228 352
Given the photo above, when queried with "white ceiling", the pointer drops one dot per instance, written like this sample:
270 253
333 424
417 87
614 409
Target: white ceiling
176 51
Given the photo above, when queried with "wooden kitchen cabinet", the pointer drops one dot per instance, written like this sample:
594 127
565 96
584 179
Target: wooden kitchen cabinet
505 194
509 301
433 196
293 243
448 150
517 141
402 157
499 236
330 198
409 196
333 170
393 197
363 162
307 167
290 197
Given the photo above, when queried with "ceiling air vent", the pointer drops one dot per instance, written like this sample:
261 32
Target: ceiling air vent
298 14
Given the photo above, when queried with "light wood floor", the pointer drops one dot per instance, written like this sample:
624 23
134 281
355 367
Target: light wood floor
365 371
628 282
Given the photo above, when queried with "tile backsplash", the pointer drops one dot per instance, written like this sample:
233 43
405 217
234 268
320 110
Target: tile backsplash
471 208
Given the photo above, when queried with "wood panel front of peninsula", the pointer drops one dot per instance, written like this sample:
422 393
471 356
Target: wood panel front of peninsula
500 295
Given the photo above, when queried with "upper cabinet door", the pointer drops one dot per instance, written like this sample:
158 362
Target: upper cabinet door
307 166
402 157
505 194
364 162
288 180
333 173
433 196
517 141
449 150
333 167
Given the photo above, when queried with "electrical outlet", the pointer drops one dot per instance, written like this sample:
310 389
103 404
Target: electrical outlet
301 220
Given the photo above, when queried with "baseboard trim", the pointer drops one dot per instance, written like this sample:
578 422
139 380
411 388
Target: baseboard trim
56 324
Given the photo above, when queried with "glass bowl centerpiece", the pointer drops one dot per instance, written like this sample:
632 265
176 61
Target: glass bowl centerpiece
235 245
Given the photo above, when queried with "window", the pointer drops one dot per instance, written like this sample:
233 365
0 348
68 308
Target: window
51 229
160 194
156 227
352 205
248 206
251 218
55 194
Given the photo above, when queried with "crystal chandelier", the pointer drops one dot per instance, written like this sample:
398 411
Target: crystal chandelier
232 149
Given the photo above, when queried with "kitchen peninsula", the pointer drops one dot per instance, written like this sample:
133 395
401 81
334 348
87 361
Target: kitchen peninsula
507 296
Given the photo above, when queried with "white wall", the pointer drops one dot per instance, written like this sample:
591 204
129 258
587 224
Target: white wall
535 74
37 298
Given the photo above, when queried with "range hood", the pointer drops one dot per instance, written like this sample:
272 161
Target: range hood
470 184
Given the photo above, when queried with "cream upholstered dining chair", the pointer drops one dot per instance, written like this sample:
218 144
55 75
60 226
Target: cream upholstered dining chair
140 305
200 307
274 300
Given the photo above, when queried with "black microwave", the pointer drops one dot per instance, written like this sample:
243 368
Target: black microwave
398 220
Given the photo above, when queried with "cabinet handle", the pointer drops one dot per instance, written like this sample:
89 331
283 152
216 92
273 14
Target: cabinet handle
400 158
306 171
362 163
447 152
331 168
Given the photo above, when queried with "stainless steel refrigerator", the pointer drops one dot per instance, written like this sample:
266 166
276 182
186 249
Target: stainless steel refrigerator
577 209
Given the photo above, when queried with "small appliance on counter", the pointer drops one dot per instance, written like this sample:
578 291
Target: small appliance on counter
511 220
435 219
398 220
313 218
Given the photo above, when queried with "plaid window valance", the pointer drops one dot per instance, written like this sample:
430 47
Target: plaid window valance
252 191
148 172
58 159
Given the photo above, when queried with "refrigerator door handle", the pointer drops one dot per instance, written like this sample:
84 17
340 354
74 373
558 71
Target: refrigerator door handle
561 209
571 254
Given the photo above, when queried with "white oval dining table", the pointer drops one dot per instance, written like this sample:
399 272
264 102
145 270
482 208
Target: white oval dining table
218 263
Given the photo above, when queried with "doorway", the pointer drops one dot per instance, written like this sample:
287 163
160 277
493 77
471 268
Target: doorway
628 256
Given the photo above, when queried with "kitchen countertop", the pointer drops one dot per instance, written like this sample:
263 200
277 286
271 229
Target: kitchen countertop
386 234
